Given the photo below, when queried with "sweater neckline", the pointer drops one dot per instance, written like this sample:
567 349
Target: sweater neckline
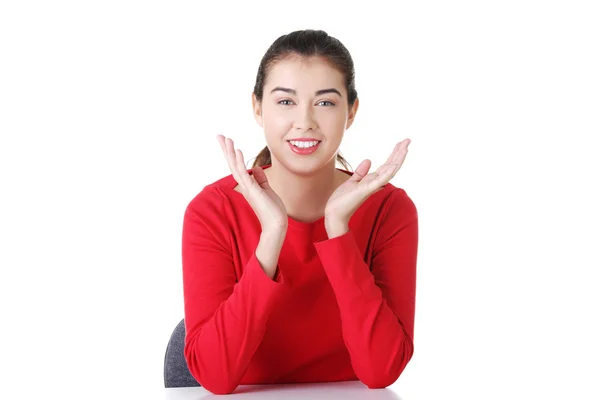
293 223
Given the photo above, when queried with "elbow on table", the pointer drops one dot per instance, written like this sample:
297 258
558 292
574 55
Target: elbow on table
380 382
214 384
220 387
379 378
209 378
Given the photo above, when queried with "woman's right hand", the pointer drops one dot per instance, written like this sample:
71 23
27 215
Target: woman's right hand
255 188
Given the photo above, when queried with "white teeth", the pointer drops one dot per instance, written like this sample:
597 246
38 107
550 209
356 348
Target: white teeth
304 145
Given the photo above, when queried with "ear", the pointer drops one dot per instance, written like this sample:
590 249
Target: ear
352 113
257 110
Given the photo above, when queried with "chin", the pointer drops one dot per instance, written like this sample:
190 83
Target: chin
304 167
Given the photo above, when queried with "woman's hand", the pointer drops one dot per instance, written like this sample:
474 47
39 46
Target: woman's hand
346 199
255 188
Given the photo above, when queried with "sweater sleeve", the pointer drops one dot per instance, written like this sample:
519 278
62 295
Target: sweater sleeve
225 320
377 304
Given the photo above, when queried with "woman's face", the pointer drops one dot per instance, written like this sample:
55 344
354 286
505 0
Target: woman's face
299 111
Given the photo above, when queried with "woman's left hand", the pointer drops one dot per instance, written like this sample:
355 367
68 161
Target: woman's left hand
346 199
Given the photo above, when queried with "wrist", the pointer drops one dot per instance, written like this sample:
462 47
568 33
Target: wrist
336 227
274 234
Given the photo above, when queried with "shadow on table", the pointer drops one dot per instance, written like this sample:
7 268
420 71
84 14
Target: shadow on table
348 390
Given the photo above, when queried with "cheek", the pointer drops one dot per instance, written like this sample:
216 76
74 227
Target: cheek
333 126
334 120
274 122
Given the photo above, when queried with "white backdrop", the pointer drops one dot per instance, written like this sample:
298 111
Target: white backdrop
108 117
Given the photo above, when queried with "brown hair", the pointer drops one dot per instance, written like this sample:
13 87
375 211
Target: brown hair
306 43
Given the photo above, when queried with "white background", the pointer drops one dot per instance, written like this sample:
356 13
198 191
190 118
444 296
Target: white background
108 117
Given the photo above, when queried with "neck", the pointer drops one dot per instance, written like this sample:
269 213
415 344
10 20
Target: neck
304 194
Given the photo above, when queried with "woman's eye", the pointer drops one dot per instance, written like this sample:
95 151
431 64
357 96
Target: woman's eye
322 101
327 101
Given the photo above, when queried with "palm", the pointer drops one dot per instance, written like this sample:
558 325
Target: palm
267 205
266 196
340 199
351 194
344 201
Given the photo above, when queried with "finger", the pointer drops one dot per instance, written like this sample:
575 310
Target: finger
397 157
401 152
238 169
224 145
403 149
230 155
384 169
376 180
248 181
396 154
221 140
390 171
244 176
361 171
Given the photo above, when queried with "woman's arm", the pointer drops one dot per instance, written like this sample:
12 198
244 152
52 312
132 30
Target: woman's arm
377 304
225 321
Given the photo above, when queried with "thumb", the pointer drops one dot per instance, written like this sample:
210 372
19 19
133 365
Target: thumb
261 178
361 171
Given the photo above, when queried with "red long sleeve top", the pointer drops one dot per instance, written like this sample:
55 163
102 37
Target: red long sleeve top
338 309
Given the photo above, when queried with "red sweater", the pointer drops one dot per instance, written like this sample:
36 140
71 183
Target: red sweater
338 309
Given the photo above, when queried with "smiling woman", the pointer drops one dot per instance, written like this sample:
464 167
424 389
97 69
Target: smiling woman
301 61
295 270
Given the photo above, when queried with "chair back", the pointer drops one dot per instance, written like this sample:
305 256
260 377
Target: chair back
176 370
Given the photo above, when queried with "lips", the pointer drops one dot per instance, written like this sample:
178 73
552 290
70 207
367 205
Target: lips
304 151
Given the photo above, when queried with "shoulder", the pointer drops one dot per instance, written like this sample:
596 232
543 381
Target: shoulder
210 198
397 206
397 218
204 217
398 197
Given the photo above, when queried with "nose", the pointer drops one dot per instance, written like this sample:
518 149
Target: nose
304 119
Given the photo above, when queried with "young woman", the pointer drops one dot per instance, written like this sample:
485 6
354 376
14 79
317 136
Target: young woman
295 270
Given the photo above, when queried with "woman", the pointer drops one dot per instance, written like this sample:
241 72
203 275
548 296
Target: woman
295 270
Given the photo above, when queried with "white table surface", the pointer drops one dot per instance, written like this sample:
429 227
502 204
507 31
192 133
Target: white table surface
347 390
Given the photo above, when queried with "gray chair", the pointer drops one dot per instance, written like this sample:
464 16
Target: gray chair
176 370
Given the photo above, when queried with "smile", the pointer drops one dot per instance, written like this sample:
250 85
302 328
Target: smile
304 150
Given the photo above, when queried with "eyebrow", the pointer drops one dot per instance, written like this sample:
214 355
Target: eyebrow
317 93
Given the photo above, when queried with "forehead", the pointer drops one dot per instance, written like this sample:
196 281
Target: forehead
305 74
